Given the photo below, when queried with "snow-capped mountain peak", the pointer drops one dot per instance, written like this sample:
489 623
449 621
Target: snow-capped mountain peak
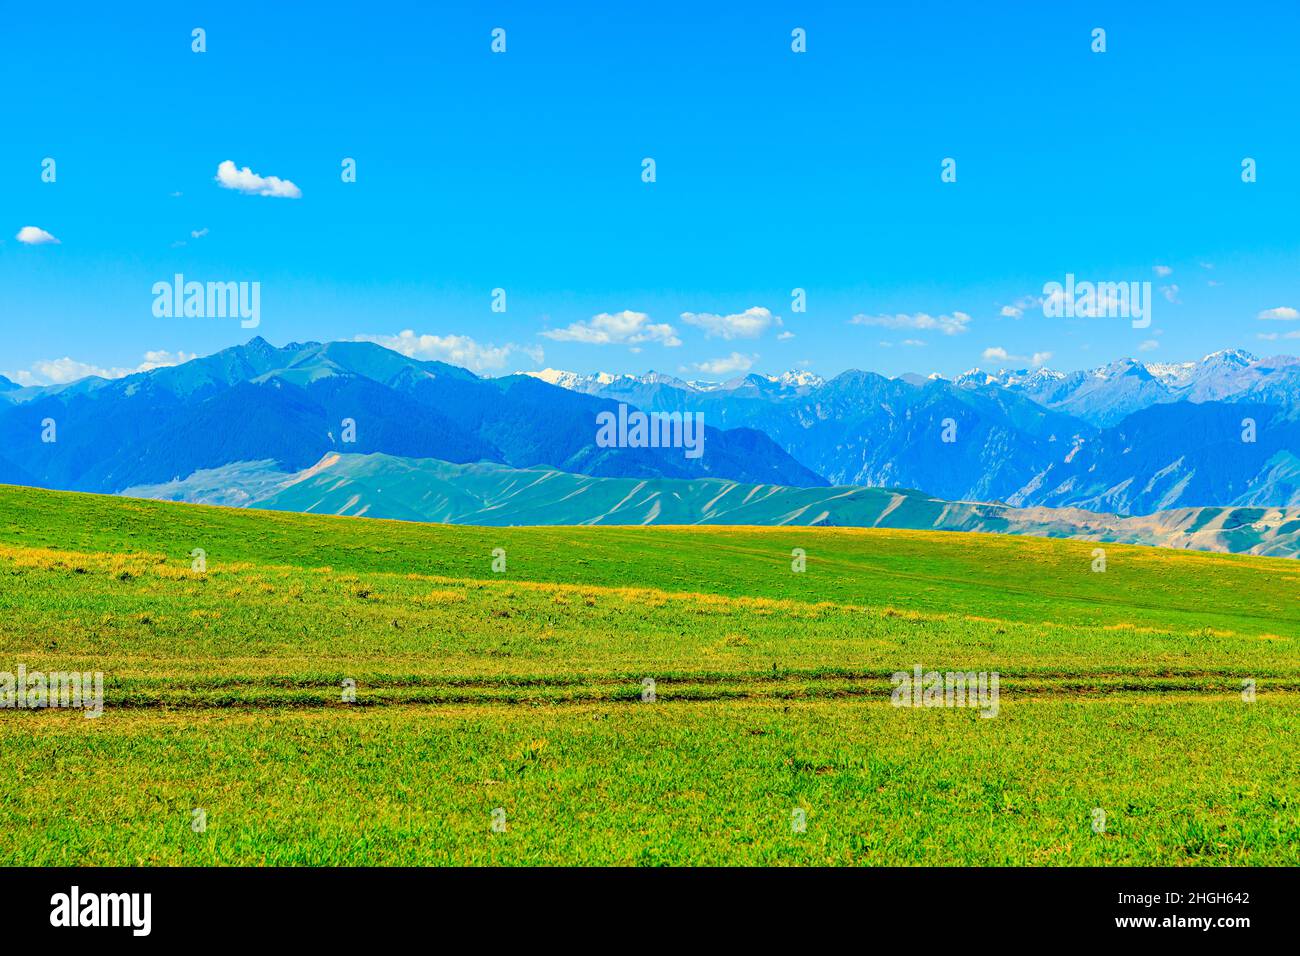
1009 378
596 381
798 379
574 381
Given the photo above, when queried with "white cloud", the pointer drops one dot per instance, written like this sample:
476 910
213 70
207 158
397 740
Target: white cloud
1283 313
947 324
1274 336
733 363
60 371
198 233
35 236
749 324
160 358
1170 292
460 350
1016 309
912 343
250 183
1149 345
1163 271
619 328
999 354
785 336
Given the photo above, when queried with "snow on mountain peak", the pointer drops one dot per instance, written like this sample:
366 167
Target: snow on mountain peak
576 381
571 380
1239 357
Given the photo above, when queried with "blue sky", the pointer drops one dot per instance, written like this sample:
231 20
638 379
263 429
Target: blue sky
775 171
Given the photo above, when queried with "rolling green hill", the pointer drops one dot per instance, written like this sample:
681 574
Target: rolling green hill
421 489
523 689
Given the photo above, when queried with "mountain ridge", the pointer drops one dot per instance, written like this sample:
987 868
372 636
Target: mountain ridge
382 486
1126 437
293 404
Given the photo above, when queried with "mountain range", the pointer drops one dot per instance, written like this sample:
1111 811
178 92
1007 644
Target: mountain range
293 404
1125 439
1128 437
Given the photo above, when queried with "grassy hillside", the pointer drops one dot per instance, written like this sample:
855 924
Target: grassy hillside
522 690
423 489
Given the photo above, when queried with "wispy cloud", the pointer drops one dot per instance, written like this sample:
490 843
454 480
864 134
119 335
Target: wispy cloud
1163 271
921 321
999 354
732 364
1283 313
250 183
749 324
617 328
460 350
60 371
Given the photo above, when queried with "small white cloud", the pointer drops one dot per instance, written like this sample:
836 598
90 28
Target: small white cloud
60 371
1017 309
999 354
733 363
198 233
161 358
912 343
1149 345
785 336
1163 271
920 321
1170 292
35 236
1274 336
618 328
250 183
460 350
749 324
1283 313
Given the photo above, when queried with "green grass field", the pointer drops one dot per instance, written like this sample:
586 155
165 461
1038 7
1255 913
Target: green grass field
522 690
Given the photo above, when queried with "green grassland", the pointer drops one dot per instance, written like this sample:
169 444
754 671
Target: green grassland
522 690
